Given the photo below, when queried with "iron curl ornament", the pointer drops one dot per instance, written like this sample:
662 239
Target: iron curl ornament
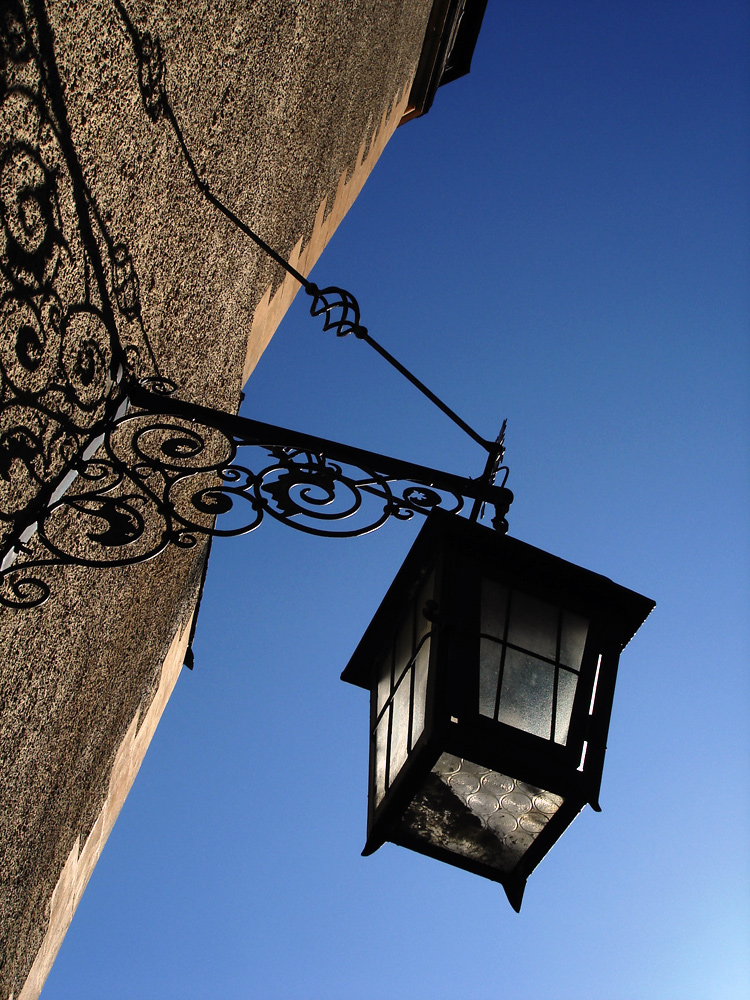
168 472
339 307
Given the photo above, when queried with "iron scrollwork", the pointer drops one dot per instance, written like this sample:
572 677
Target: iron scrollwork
165 470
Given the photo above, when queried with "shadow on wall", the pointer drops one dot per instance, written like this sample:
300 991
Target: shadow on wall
69 295
72 489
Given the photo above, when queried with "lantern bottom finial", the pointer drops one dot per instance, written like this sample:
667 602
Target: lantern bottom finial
514 891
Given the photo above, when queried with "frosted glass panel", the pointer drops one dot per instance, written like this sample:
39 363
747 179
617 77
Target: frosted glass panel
404 647
381 756
550 640
421 665
494 604
526 693
566 692
400 730
573 639
384 684
490 656
400 693
533 625
479 814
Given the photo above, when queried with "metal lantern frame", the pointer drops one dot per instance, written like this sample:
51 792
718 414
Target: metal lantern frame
457 555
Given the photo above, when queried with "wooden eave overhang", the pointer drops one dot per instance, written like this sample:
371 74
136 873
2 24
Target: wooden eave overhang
450 39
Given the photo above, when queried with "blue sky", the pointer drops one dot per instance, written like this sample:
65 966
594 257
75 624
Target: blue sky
562 241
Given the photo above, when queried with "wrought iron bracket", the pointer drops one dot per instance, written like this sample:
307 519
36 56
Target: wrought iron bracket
164 470
425 483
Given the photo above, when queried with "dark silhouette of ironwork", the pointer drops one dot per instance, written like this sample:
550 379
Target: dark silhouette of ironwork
339 307
101 464
164 470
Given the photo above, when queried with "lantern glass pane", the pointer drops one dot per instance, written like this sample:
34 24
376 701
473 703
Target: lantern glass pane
400 693
404 649
566 692
384 684
533 625
421 664
530 655
526 693
400 725
490 661
421 660
380 755
494 605
479 814
572 639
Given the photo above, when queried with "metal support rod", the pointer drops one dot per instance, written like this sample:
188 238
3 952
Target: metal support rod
248 431
489 446
327 301
312 289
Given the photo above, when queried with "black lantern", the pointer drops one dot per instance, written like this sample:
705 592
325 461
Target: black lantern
491 668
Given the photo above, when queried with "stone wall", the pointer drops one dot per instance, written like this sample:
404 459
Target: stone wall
125 126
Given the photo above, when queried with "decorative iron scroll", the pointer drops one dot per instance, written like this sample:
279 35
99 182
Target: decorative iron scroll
164 471
340 308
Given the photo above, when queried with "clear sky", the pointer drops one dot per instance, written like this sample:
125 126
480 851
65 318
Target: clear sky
562 241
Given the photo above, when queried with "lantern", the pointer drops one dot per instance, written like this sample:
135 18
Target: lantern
491 668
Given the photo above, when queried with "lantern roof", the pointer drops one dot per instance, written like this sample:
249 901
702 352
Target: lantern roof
510 560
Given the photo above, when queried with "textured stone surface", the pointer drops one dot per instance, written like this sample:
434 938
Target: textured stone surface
277 102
